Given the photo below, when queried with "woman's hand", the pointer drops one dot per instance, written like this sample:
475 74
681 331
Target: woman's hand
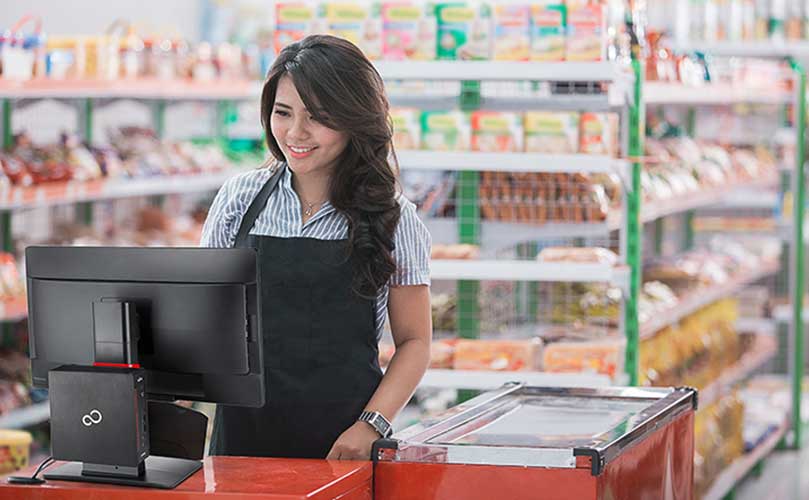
354 444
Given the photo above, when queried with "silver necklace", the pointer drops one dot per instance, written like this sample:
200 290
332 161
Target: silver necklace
310 207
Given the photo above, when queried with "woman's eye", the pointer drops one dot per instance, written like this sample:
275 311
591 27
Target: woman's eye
280 112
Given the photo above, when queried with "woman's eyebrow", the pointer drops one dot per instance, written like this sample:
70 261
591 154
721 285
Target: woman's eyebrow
282 105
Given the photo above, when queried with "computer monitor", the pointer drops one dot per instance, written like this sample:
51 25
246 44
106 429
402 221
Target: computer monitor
197 313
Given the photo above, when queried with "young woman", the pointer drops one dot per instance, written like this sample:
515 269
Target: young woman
340 252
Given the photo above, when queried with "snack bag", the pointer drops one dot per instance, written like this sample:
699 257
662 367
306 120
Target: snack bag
498 355
512 32
551 132
586 31
494 131
408 31
599 134
445 131
406 128
548 27
293 22
464 31
357 23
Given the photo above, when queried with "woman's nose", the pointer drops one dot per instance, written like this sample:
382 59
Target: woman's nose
299 129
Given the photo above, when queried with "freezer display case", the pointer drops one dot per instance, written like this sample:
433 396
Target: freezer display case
521 442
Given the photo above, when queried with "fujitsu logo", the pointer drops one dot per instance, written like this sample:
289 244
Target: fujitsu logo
94 417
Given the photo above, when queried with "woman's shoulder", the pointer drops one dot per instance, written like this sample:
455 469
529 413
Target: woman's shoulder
409 221
250 180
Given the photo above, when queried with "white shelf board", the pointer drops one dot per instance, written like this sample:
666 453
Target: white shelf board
736 471
509 162
783 313
26 416
703 297
133 89
486 380
516 270
498 235
708 94
763 350
499 71
763 49
73 192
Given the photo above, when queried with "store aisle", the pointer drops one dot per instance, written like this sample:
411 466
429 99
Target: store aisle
783 478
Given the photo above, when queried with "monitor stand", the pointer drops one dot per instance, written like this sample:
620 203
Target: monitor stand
160 472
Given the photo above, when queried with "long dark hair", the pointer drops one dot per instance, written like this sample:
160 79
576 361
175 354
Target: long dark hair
342 90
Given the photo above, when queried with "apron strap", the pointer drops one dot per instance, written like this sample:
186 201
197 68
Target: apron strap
256 206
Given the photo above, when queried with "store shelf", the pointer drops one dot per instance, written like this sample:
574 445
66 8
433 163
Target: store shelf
513 270
509 162
500 71
26 417
59 193
783 313
762 350
763 49
703 297
14 310
485 380
730 477
718 94
499 235
133 89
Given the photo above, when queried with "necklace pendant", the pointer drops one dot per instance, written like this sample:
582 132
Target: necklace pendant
307 212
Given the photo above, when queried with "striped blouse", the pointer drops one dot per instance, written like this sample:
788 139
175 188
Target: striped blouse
282 218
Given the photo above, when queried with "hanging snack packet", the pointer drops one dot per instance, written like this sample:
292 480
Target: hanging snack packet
464 31
548 25
408 31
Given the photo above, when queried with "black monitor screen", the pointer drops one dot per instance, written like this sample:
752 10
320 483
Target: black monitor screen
196 310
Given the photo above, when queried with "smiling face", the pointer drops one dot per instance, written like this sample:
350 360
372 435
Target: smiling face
308 146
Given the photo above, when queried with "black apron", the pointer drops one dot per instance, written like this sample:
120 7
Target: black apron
319 343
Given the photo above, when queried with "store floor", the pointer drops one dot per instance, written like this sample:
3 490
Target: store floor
783 478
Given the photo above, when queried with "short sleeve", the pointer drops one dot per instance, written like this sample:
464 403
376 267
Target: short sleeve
412 244
219 230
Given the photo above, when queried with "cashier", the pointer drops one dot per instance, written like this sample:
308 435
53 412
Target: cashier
340 252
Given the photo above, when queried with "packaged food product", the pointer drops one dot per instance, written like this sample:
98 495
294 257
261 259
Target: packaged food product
15 448
464 31
498 355
458 251
599 134
512 32
548 25
409 31
445 131
494 131
293 22
605 356
551 132
361 24
406 128
589 255
586 31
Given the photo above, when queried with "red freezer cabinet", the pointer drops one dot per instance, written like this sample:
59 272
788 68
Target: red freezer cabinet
521 443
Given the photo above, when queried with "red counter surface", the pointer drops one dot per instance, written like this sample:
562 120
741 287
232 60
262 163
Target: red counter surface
226 478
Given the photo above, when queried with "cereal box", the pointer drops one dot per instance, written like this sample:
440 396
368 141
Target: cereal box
406 128
293 21
409 31
586 32
512 32
445 131
494 131
464 31
548 26
361 24
551 132
599 134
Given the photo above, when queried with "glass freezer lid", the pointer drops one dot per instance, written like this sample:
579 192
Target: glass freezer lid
540 427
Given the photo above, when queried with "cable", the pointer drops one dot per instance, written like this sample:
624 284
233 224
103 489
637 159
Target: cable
33 479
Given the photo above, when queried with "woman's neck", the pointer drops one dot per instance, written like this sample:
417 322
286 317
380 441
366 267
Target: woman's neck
312 187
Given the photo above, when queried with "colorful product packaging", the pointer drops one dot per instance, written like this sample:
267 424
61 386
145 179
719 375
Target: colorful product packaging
494 131
293 22
406 128
599 134
512 32
358 23
586 31
548 26
464 31
409 31
551 132
445 131
498 355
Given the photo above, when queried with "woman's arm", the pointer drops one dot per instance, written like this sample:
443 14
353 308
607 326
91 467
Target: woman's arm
411 324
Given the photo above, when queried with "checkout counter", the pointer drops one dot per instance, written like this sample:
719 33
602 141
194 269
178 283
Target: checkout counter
513 443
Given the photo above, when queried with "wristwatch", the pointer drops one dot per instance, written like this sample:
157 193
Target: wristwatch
378 422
